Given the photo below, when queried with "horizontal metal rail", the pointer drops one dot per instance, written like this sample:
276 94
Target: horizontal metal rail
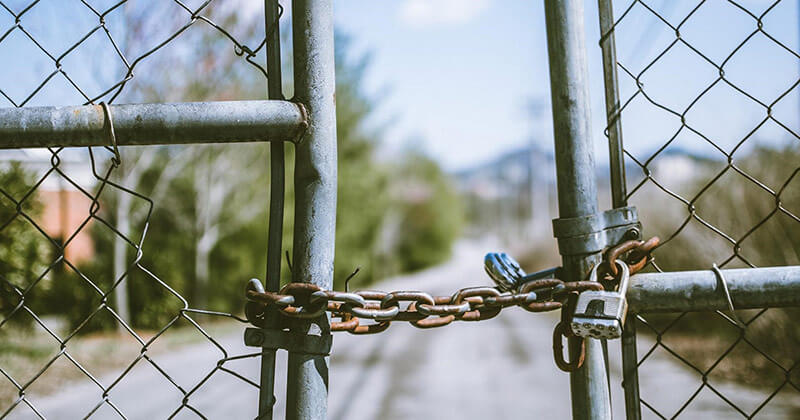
682 291
144 124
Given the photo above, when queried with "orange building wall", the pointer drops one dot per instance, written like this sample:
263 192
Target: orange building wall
64 212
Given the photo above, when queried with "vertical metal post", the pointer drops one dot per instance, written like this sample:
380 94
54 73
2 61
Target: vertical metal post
266 400
315 191
630 370
630 373
577 189
611 83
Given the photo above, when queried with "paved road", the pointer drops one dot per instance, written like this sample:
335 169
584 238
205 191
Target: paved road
500 369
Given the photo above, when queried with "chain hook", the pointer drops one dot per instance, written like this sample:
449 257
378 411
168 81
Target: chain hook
562 330
575 345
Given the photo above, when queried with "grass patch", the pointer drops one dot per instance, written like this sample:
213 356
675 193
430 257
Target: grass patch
26 352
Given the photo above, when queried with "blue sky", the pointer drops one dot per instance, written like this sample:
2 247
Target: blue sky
461 76
457 78
468 80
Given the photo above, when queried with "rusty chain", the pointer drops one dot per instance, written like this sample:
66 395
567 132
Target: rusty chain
578 349
636 254
423 310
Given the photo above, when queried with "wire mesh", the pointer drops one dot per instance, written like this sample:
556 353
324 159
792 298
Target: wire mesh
709 112
54 204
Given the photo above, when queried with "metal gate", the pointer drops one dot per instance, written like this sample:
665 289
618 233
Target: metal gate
739 297
307 121
584 232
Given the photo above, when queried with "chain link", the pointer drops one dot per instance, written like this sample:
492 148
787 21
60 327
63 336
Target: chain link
638 255
576 345
423 310
420 309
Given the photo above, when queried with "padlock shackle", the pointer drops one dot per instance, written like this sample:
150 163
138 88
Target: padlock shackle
624 273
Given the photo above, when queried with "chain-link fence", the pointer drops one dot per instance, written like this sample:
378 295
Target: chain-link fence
89 235
74 222
708 106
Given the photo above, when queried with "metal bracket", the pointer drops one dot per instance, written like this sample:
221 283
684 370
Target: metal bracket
287 340
595 232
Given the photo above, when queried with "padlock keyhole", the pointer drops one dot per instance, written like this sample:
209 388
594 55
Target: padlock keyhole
596 307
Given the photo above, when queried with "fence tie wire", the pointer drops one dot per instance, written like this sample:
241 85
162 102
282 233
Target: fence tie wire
726 292
108 121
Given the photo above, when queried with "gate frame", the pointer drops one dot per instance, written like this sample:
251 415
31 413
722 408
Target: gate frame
576 182
315 194
704 290
309 120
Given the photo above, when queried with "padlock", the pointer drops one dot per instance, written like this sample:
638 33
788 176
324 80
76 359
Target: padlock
504 270
602 314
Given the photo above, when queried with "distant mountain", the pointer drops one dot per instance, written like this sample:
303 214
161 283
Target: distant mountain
508 174
512 173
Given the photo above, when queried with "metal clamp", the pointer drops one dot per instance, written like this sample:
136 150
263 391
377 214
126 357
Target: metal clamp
287 340
595 232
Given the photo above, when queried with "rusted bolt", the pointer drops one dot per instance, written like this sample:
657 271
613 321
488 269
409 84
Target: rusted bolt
633 233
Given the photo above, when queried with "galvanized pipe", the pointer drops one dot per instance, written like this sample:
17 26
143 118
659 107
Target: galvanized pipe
611 84
619 193
276 202
577 190
630 370
146 124
315 193
682 291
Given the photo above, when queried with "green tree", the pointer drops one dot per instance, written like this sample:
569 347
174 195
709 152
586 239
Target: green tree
24 251
206 229
431 214
362 197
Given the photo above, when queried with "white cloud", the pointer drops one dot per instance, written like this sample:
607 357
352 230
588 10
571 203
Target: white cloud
433 12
